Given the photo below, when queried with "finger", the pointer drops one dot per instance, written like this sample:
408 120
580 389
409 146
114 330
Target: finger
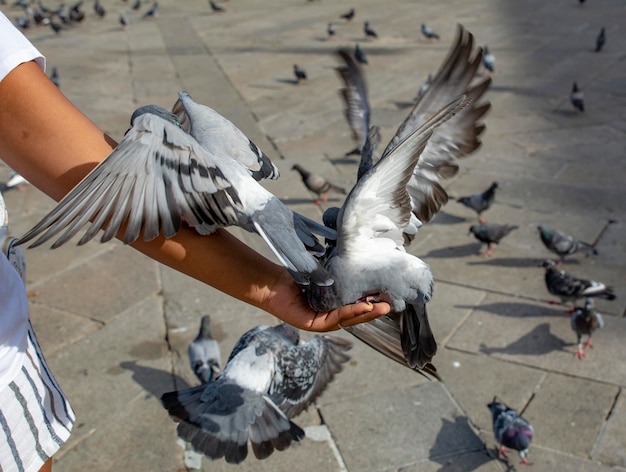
363 312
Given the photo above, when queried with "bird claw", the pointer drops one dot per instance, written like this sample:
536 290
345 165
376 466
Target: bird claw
580 354
502 450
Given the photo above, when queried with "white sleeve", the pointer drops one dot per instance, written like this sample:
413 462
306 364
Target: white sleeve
15 48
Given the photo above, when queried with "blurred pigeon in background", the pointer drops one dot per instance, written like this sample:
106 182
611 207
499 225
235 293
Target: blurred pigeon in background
16 181
510 430
152 12
600 40
563 244
585 321
428 32
204 353
424 87
576 98
99 9
491 234
349 15
330 30
271 376
489 61
215 7
480 202
299 72
369 31
569 288
359 54
317 184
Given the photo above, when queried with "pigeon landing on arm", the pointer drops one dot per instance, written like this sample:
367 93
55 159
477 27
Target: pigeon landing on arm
271 376
204 353
510 430
585 321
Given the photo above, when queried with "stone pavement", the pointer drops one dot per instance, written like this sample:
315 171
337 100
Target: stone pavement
115 325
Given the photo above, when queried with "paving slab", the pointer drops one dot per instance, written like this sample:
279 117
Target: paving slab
610 448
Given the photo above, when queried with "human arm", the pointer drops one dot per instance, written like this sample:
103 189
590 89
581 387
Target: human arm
50 142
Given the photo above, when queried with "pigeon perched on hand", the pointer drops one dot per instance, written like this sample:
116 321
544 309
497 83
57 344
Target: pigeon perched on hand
271 376
299 72
576 98
600 40
585 321
491 234
563 244
317 184
489 61
569 288
428 32
369 31
510 430
480 202
193 165
204 353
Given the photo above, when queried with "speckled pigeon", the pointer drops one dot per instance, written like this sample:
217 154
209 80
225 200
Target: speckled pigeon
480 202
563 244
585 321
192 164
510 430
271 376
204 353
569 288
491 234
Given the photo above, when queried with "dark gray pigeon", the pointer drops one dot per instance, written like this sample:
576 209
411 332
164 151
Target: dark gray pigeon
491 234
331 30
369 31
99 9
299 72
215 8
585 321
359 55
600 40
577 99
563 244
510 430
152 12
428 32
480 202
348 15
194 165
317 184
271 376
489 61
569 288
204 353
55 78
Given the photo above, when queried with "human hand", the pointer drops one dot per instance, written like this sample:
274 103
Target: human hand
287 302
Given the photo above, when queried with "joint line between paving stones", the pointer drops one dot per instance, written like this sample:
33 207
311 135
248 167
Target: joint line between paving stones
332 443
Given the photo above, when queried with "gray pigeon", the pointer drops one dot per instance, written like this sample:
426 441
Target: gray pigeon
152 12
299 72
271 376
428 32
216 8
331 30
585 320
569 288
369 31
195 165
480 202
424 87
489 61
317 184
510 430
577 99
600 40
491 234
359 54
204 353
563 244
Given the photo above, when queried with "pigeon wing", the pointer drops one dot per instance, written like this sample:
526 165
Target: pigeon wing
357 109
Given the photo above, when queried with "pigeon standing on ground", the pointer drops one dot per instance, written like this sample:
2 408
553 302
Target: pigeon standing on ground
317 184
271 376
123 20
489 61
428 32
600 40
99 9
563 244
349 15
570 288
299 72
56 27
330 30
584 322
204 353
206 174
510 430
359 54
491 234
576 98
137 5
152 12
215 8
480 202
369 31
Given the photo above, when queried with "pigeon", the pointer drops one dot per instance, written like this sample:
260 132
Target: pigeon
359 55
204 353
216 8
76 14
563 244
510 430
271 376
194 165
600 40
576 98
491 234
480 202
299 72
56 27
136 5
585 320
424 87
99 9
369 31
349 15
429 33
123 20
317 184
15 181
369 262
489 60
356 104
330 30
569 288
54 77
152 12
22 22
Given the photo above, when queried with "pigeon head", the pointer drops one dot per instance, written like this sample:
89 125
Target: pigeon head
303 172
288 332
330 217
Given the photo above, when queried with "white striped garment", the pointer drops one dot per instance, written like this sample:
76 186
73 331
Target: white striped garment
35 417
